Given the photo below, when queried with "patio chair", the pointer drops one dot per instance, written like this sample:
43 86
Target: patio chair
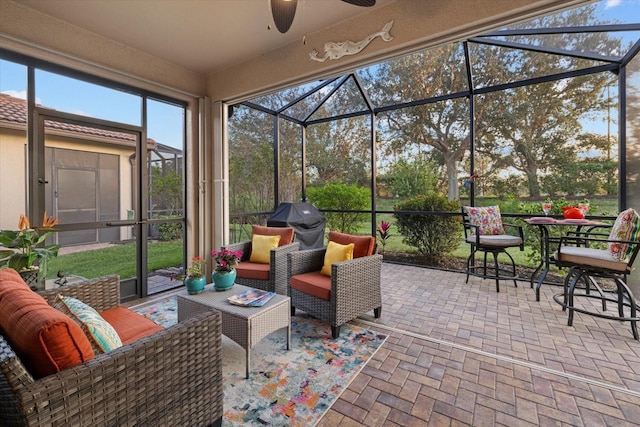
579 252
336 283
264 258
485 232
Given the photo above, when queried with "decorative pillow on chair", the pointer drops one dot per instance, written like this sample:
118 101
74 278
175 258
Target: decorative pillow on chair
261 248
102 335
487 219
626 227
336 253
287 234
364 245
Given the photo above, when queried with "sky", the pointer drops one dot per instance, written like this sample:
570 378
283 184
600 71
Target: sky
164 120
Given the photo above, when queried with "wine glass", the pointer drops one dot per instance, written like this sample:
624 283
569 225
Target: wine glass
584 207
546 208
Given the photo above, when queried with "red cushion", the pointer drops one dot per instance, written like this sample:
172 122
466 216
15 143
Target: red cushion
364 245
314 283
130 325
286 233
253 270
46 340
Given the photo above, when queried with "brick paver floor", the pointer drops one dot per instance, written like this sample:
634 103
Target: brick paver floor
462 354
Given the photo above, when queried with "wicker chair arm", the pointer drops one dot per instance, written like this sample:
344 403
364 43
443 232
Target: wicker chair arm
278 265
244 247
143 382
356 286
101 293
305 261
346 274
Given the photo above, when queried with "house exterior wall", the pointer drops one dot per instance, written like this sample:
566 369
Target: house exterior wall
13 173
12 177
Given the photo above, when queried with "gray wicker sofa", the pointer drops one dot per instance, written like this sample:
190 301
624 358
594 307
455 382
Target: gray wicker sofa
170 378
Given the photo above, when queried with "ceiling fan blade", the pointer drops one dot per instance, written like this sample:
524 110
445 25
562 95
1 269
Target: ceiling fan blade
283 12
365 3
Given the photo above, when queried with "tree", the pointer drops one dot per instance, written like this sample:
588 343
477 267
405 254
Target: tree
529 128
342 197
412 177
166 190
440 126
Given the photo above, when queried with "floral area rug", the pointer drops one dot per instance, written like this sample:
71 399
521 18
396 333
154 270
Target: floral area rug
292 388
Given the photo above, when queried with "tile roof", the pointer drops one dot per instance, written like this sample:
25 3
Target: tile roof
14 110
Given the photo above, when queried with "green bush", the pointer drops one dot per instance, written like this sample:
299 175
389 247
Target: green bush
340 196
169 231
434 236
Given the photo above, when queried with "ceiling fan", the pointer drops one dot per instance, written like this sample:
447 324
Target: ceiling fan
284 11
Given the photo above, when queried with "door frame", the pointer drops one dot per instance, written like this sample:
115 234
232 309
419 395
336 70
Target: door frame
130 288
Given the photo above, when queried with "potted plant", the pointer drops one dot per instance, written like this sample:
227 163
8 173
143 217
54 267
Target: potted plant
194 278
224 275
25 251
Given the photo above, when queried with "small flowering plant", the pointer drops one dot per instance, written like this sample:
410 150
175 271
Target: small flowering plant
226 260
196 269
384 231
22 248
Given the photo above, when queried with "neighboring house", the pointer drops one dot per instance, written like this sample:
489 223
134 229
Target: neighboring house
88 173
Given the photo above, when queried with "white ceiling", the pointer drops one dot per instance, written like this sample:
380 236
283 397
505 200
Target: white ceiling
202 35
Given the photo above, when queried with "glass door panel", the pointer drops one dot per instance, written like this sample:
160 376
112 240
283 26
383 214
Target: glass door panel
90 183
166 196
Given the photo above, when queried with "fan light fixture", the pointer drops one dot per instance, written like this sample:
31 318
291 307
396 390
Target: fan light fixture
283 11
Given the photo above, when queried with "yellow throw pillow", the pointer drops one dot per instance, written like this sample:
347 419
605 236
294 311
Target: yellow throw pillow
261 248
336 253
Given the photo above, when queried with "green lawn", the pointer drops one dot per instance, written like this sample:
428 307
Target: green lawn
119 259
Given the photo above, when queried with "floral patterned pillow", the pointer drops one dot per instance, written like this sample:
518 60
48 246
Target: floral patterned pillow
487 218
626 227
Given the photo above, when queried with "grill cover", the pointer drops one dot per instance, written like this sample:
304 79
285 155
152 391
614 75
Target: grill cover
307 221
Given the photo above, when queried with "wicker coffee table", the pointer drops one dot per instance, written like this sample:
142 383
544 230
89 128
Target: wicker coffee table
244 325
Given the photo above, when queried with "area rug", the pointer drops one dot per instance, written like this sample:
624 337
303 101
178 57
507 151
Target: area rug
295 387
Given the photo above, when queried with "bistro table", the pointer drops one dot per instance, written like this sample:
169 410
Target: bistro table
546 256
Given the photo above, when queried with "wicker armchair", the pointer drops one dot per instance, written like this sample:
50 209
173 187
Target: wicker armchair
170 378
270 277
353 288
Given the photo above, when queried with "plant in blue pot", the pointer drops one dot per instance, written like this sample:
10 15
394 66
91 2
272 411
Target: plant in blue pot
194 278
224 275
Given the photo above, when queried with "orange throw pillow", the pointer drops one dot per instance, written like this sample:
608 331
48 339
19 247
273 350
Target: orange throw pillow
364 245
46 340
286 233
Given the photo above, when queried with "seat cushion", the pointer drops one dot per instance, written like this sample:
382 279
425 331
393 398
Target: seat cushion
487 219
46 340
286 233
599 258
314 284
129 325
363 245
101 334
336 253
253 270
497 240
626 227
261 247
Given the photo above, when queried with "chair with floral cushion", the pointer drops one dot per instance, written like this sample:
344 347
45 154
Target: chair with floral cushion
612 259
486 233
264 258
336 283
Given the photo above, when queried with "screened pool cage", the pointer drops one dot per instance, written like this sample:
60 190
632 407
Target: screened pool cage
546 109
